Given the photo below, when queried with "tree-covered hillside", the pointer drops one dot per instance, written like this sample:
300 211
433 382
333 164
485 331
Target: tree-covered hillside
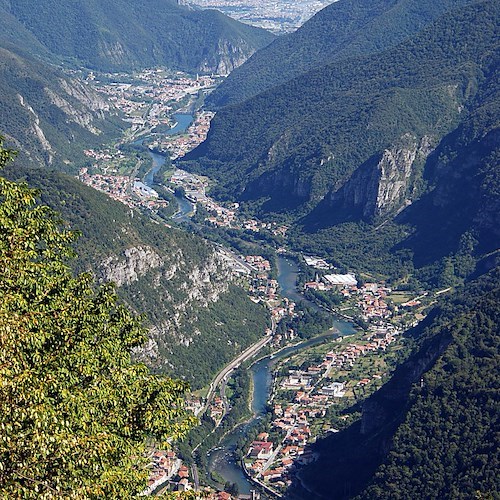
344 29
310 134
344 151
454 220
197 318
76 414
126 34
448 445
432 430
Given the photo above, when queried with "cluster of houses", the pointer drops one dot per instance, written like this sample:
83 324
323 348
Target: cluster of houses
102 155
348 357
227 217
373 301
313 395
371 296
275 466
217 409
122 188
115 186
167 470
149 101
258 262
221 216
178 145
264 288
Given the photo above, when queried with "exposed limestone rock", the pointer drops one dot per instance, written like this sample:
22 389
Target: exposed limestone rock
126 269
38 132
92 107
385 183
184 291
112 51
227 58
181 291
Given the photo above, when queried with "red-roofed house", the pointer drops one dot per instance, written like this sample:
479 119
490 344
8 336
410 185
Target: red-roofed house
261 449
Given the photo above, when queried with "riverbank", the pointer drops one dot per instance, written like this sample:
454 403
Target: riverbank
222 460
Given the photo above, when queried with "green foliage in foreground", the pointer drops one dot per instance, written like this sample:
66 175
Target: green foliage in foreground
75 412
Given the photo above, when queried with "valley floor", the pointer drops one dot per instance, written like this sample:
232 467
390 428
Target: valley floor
315 391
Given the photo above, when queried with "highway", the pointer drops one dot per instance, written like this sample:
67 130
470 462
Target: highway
224 374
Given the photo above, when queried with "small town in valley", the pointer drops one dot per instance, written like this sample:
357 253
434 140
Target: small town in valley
314 390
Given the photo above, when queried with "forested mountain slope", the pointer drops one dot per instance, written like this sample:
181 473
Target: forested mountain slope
344 29
197 317
125 34
450 223
309 135
346 150
47 116
431 431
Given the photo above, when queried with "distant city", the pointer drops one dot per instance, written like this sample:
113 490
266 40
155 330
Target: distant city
278 17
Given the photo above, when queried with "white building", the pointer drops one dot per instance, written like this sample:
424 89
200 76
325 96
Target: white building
144 191
316 262
342 280
335 389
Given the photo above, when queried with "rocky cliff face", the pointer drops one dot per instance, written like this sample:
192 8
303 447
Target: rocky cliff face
48 116
386 183
181 286
92 106
285 187
127 269
227 57
123 35
184 300
198 318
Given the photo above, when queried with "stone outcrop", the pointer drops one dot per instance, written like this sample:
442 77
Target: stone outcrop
126 269
181 290
384 184
227 57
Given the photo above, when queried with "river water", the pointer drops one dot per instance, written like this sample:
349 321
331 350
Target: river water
185 207
182 122
222 459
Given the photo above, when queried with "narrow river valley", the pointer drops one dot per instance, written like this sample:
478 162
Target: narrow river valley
222 459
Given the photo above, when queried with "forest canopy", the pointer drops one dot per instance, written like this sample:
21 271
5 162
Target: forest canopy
76 412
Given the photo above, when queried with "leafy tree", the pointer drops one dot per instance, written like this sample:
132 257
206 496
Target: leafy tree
75 412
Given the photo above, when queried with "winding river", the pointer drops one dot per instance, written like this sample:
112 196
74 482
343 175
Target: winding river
222 459
183 120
